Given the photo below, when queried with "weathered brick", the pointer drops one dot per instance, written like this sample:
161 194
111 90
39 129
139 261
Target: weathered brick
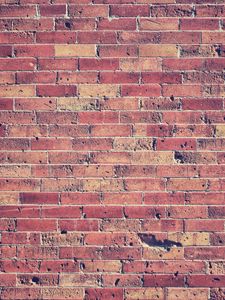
112 150
158 50
74 50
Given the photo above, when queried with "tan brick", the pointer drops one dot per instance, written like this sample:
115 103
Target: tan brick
8 198
153 158
190 238
58 239
132 144
17 91
15 171
75 50
213 37
190 294
95 90
87 280
161 253
220 130
76 104
216 268
102 266
144 293
158 24
140 64
158 50
62 293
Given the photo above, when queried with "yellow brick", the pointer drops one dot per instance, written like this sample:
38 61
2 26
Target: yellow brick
15 171
161 253
159 158
62 293
75 50
111 185
17 91
140 64
58 239
217 268
7 78
132 144
88 280
145 293
98 90
213 37
91 185
158 24
8 198
220 130
190 238
102 266
76 104
187 294
158 50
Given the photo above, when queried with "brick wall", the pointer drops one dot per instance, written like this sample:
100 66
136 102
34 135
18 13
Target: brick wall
112 149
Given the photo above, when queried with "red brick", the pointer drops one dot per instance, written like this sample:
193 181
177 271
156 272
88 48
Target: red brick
172 11
7 280
98 37
157 77
58 64
204 225
16 38
103 212
23 265
199 24
5 51
56 90
117 24
61 212
88 11
119 77
36 225
144 212
109 293
81 77
17 64
141 90
33 24
20 293
164 280
34 51
95 64
112 150
6 104
183 37
36 77
129 10
206 281
52 10
176 144
78 225
56 37
202 104
75 24
39 198
17 11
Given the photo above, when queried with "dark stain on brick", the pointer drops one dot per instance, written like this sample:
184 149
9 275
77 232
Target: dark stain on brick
151 240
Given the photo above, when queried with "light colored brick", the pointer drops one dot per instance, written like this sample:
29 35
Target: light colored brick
75 50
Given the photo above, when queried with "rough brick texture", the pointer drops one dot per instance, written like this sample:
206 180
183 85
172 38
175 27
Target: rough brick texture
112 149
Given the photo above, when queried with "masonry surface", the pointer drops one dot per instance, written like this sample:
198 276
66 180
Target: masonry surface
112 149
